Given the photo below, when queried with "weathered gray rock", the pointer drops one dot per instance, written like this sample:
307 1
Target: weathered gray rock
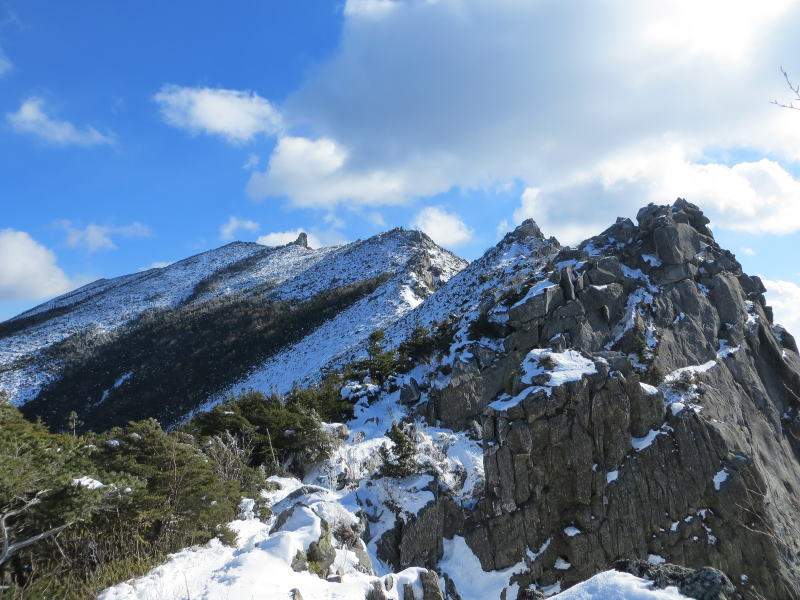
705 583
430 586
417 541
461 399
537 305
567 287
676 244
410 392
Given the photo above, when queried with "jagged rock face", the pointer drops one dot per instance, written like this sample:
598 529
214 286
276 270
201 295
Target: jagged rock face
588 466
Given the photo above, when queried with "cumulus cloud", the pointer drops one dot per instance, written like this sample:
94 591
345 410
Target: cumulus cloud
94 237
445 228
755 197
316 174
236 116
230 229
31 118
29 270
548 93
784 297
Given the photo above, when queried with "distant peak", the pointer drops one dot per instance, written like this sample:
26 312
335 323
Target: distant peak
302 240
527 229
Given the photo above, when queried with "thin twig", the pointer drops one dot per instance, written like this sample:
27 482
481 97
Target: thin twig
795 88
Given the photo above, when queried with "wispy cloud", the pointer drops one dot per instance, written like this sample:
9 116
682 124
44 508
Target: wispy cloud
94 237
31 118
234 225
236 116
5 63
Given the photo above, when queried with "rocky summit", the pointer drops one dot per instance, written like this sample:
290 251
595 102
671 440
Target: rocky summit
547 421
640 403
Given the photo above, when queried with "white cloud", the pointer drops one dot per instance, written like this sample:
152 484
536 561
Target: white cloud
755 197
784 297
443 227
29 270
547 93
748 251
234 225
236 116
31 118
314 173
280 238
94 237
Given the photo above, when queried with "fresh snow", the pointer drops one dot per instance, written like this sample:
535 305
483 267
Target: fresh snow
472 582
720 477
570 365
260 564
614 585
641 443
648 389
561 564
88 483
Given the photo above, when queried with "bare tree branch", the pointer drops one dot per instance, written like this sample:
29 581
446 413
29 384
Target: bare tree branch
795 88
7 548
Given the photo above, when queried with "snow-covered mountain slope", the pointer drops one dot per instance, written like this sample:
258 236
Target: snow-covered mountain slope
73 331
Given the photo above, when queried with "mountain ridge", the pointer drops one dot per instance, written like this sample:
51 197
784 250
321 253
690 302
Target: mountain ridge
30 359
624 403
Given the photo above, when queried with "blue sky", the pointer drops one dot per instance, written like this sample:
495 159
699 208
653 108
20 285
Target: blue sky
137 133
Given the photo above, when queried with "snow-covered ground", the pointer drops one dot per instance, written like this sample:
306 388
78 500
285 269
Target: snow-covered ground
260 565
